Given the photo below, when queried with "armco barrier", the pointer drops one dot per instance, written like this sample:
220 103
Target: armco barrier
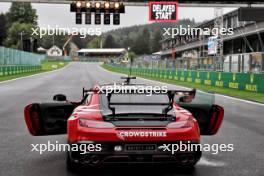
241 81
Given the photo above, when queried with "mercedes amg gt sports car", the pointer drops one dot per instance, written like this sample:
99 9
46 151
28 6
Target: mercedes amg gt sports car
126 127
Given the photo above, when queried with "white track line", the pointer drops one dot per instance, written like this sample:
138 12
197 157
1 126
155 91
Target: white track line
219 95
203 161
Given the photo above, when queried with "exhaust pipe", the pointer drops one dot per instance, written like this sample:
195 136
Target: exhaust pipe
191 158
95 159
183 158
87 159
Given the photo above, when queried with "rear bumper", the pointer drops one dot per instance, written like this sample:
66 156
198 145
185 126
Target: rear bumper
76 134
135 153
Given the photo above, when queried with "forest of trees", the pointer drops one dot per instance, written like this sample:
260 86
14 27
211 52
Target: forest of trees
3 29
141 39
15 21
19 20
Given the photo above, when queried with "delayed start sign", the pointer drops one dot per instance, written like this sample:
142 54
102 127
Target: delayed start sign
163 11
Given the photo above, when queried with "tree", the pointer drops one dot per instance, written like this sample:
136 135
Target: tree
47 40
21 19
140 46
155 42
95 43
14 34
81 42
3 29
110 42
22 12
141 43
146 34
127 42
146 40
131 56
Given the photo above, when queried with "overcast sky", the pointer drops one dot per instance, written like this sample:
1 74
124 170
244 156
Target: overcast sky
54 14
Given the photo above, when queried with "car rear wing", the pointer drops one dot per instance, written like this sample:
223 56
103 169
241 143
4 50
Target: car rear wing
185 96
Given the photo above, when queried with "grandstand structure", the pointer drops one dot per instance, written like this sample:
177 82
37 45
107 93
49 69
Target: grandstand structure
101 54
241 52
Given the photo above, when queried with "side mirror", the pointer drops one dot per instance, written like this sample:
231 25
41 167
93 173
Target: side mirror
59 97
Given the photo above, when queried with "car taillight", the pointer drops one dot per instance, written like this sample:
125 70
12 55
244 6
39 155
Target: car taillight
95 124
181 124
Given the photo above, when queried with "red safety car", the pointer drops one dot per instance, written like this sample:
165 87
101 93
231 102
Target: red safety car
120 126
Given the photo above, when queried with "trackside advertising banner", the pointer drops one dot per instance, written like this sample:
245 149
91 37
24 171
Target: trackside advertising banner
212 45
241 81
163 11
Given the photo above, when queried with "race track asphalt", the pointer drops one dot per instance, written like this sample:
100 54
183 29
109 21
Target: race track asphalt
243 127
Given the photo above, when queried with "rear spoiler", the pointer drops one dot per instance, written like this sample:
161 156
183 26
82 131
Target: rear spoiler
170 93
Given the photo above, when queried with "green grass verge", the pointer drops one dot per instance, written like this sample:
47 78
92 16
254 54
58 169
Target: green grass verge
45 67
252 96
52 65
